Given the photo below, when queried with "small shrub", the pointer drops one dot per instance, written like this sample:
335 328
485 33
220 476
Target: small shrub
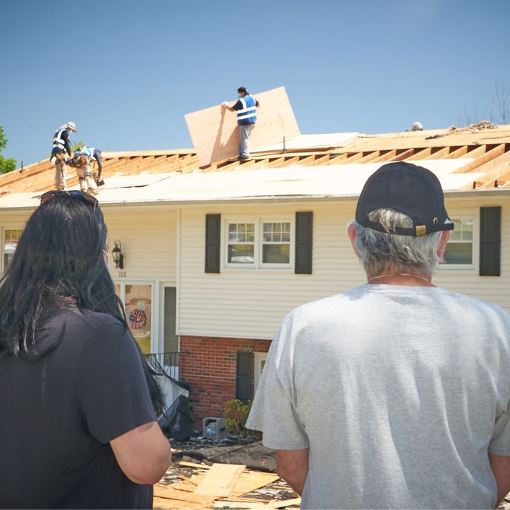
236 413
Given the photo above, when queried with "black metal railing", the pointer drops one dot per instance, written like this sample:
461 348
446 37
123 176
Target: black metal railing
168 361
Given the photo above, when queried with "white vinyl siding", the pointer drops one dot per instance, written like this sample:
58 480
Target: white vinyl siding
251 304
149 243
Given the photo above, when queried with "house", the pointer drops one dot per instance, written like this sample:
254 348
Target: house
215 257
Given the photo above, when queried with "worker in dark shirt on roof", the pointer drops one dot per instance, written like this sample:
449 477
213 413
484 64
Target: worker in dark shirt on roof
246 108
61 147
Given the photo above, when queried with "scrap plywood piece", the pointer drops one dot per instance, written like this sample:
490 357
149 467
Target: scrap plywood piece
252 480
169 493
214 130
260 505
173 504
219 481
193 465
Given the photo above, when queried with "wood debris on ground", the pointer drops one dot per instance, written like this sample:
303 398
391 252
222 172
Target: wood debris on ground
227 486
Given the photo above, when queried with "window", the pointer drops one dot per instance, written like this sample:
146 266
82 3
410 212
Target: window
459 251
11 238
241 243
259 243
276 243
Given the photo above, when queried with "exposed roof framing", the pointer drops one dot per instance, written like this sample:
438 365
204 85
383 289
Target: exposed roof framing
486 153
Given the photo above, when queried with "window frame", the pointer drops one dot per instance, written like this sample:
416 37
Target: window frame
258 359
274 265
258 244
475 242
3 229
226 243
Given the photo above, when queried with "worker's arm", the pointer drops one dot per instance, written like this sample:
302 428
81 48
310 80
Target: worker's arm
143 453
501 468
292 466
65 137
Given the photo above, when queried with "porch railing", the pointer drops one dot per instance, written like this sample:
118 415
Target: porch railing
168 361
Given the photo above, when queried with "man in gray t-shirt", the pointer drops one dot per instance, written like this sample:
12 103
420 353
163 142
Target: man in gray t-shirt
394 394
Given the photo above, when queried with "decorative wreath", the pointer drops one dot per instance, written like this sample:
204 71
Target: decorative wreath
137 319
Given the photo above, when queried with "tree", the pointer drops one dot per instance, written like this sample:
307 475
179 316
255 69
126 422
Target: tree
498 113
6 164
78 146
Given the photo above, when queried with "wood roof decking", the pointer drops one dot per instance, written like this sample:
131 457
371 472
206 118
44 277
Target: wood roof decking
488 150
40 176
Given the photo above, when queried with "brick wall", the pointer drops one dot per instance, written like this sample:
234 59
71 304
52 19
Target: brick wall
209 365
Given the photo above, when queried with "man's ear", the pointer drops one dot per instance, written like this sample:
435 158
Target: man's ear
443 241
351 232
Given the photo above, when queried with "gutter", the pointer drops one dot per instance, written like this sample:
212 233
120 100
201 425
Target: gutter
494 192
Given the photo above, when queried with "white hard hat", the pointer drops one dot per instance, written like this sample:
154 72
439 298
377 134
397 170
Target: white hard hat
417 126
71 125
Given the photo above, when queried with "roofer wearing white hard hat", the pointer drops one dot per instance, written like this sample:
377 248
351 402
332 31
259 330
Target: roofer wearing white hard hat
61 147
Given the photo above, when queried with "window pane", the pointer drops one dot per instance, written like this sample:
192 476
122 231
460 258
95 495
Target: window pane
275 254
11 237
276 232
241 254
459 253
139 314
241 232
463 230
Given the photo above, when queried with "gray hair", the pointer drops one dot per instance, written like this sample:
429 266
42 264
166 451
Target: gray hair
381 251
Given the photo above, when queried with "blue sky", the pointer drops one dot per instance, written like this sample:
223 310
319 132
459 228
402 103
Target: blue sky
126 71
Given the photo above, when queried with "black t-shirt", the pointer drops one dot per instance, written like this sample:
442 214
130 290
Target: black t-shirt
58 415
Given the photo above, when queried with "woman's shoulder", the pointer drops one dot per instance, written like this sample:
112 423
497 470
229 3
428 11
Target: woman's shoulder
85 324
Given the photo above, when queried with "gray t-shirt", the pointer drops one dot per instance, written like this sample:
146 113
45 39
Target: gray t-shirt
399 392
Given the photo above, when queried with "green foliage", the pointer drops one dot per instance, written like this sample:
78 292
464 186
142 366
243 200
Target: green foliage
6 164
77 146
236 413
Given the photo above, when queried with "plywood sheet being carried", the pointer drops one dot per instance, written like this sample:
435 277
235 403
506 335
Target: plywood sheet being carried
214 130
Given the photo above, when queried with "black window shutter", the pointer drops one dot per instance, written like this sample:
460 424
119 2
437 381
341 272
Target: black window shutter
212 242
304 242
490 241
244 376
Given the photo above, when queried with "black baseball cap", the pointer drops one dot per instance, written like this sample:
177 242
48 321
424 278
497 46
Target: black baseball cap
409 189
242 89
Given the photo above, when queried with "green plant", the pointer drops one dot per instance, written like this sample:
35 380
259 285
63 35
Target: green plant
6 164
236 413
77 146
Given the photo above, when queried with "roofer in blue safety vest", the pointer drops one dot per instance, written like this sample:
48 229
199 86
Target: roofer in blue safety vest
61 147
94 156
246 108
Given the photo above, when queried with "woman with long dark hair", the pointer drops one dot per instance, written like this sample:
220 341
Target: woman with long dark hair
78 402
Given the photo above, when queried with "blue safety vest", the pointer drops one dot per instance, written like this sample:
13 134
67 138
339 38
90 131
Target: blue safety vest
88 151
248 113
58 141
